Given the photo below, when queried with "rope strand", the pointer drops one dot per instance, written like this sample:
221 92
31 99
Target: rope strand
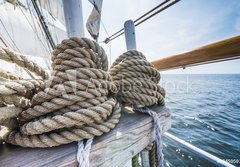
158 131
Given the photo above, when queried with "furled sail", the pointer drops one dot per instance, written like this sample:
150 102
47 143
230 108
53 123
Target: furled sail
93 22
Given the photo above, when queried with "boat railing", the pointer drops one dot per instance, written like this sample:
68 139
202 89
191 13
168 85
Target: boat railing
227 49
212 158
224 50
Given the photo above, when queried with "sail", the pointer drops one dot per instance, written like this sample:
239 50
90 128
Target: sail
53 11
20 30
93 22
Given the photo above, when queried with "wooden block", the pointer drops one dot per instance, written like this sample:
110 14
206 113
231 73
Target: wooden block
129 137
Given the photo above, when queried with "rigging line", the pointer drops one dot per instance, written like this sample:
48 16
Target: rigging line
158 6
110 45
51 13
47 48
155 13
9 35
39 23
4 42
44 35
141 17
40 33
110 39
120 32
34 30
35 27
104 27
43 23
30 74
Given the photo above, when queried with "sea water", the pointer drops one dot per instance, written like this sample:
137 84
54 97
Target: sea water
206 113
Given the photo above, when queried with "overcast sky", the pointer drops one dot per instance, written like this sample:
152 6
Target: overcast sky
187 25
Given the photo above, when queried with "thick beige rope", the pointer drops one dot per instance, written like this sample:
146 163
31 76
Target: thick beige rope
9 75
18 101
7 113
13 57
61 114
26 88
137 80
17 93
79 101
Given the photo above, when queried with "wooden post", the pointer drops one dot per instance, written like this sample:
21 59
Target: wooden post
73 17
130 38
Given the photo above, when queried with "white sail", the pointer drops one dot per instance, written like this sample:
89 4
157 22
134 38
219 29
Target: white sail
20 29
54 8
93 22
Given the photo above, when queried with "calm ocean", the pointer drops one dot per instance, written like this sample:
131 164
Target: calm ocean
206 113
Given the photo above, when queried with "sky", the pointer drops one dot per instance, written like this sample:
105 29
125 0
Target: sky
187 25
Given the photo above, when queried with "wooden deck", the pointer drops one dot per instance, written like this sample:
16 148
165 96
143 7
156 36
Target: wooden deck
129 137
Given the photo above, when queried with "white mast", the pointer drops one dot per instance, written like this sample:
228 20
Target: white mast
130 36
73 17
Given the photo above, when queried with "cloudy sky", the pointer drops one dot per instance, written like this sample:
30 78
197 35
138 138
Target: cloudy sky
187 25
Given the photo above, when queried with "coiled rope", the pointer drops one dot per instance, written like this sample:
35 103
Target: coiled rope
75 104
5 75
81 99
11 56
15 93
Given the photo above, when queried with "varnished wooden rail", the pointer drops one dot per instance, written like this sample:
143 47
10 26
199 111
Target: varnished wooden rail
133 133
218 51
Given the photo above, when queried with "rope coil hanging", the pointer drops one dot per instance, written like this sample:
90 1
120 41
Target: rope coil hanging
82 99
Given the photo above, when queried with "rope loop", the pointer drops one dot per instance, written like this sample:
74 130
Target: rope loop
158 131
